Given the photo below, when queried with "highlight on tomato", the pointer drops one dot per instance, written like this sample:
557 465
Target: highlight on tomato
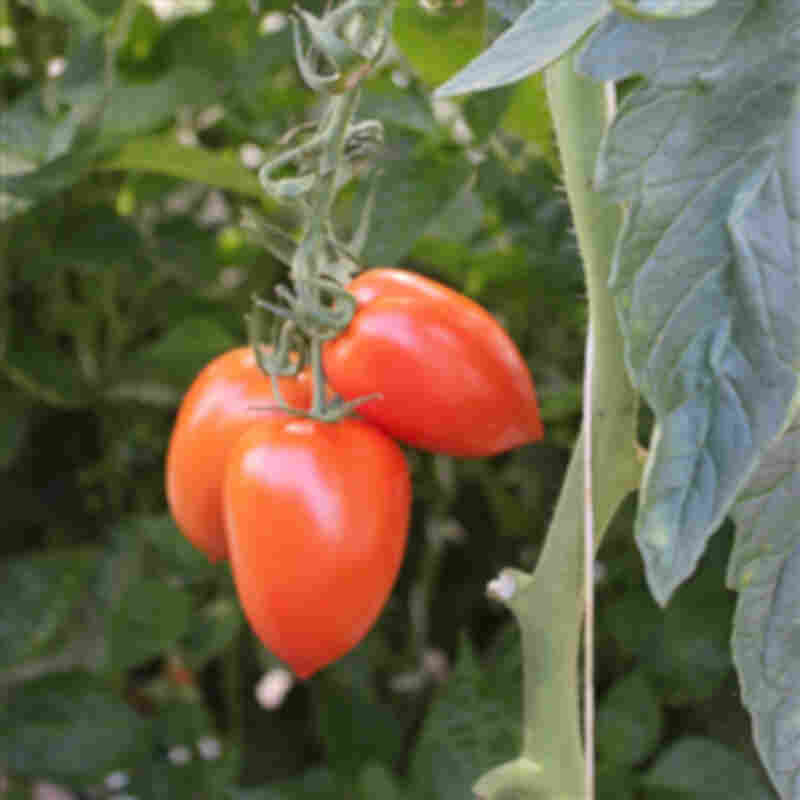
317 516
450 379
229 395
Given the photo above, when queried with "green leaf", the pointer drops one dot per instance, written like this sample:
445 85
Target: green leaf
441 41
355 728
39 595
702 769
765 570
211 632
704 153
183 351
629 721
151 617
40 370
162 154
528 116
180 555
538 37
67 726
14 424
412 192
376 783
315 784
473 723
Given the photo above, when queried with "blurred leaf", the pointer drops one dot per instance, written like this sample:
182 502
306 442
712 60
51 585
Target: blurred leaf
183 351
14 424
183 558
75 11
528 116
537 38
38 369
765 569
316 784
164 155
38 596
211 631
460 219
356 729
629 721
25 127
484 111
634 620
437 43
376 783
405 107
702 769
151 618
412 193
691 658
67 726
615 783
473 724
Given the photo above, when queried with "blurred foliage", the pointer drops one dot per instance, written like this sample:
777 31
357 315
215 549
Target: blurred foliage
124 660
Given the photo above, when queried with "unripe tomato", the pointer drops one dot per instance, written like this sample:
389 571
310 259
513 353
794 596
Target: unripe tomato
317 516
227 397
451 380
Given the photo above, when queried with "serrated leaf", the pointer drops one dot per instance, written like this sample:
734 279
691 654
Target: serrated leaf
438 42
629 721
412 192
162 154
702 769
538 37
38 596
68 726
150 618
472 725
706 267
765 569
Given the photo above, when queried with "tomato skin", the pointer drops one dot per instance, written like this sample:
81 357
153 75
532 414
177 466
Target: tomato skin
451 379
228 396
317 516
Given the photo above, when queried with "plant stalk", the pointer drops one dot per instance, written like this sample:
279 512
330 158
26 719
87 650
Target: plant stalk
549 604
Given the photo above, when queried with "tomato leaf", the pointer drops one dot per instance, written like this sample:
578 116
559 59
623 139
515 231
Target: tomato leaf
69 726
438 42
663 9
704 152
473 723
539 36
38 596
629 721
152 615
765 569
702 769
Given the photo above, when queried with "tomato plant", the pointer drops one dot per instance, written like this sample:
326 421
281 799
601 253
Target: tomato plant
228 396
317 516
450 379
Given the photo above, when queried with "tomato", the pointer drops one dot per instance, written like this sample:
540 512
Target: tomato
317 516
450 378
226 398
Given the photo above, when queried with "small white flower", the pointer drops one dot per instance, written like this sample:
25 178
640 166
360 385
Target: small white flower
273 687
209 748
252 155
179 755
56 67
116 780
273 22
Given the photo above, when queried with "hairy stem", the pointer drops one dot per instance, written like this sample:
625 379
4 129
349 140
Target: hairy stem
548 605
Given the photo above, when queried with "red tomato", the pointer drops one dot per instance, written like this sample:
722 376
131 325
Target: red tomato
226 398
317 516
451 379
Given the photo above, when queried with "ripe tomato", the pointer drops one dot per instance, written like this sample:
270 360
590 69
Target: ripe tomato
451 379
317 516
226 398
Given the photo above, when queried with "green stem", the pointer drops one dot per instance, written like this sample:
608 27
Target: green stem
548 605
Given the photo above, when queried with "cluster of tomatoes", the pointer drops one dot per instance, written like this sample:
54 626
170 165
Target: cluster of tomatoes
313 514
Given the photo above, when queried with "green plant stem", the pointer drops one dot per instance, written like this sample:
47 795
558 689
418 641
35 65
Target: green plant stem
548 604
